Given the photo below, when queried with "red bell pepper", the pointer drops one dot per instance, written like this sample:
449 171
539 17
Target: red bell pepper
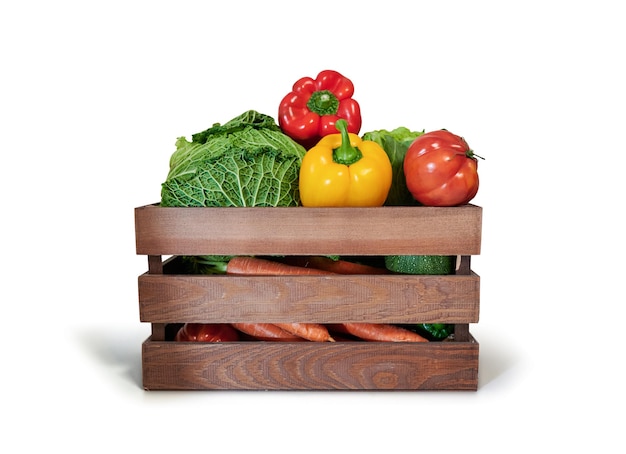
310 111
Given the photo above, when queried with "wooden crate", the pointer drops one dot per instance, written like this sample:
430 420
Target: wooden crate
168 298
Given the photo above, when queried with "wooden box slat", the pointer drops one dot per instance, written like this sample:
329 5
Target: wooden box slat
310 366
321 299
308 231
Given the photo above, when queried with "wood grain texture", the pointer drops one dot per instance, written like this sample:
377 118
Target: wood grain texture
308 231
320 299
310 366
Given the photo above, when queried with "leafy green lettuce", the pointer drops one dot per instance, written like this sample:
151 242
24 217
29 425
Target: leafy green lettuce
247 161
396 143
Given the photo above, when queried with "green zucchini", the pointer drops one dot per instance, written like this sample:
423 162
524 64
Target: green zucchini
421 264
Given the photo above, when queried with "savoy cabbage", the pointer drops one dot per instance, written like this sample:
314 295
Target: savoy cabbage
247 161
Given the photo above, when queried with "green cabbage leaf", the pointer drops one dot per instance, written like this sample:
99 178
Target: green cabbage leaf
245 162
396 143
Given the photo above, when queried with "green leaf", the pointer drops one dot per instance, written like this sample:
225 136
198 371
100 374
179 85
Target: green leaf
396 143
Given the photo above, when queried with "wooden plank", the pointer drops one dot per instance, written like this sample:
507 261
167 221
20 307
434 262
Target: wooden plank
308 231
310 366
321 299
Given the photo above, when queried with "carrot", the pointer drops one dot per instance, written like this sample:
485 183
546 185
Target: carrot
255 266
335 266
266 331
378 332
310 331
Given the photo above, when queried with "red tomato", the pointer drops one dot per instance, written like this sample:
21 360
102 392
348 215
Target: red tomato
207 332
441 170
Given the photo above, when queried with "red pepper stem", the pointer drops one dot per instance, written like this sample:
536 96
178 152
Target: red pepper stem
346 154
323 102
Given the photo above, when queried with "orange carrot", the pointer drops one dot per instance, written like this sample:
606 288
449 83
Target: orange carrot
255 266
267 332
378 332
335 266
309 331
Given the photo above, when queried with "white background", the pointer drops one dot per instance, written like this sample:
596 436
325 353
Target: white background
92 98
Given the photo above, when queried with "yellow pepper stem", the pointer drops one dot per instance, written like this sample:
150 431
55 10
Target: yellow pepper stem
346 154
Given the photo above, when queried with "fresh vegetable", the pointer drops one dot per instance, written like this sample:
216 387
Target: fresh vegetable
435 331
205 264
256 266
309 331
245 265
281 265
343 170
378 332
395 143
421 264
441 169
248 161
206 332
338 266
267 332
310 111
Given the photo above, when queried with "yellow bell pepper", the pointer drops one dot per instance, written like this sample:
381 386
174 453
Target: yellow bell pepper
342 171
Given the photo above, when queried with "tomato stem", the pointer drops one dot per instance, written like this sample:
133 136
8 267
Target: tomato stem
470 154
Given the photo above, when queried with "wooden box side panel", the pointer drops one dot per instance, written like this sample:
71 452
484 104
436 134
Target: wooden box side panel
322 299
310 366
308 231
